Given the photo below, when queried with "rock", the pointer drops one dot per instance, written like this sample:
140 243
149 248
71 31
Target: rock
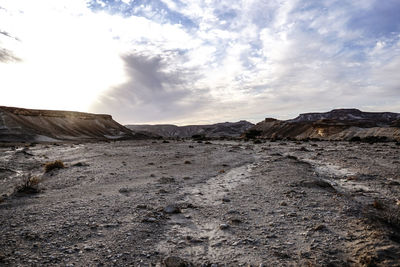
80 164
166 180
236 220
150 220
318 183
226 199
223 226
173 261
88 248
141 206
172 209
125 190
320 227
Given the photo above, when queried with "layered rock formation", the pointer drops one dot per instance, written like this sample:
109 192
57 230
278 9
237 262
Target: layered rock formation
338 124
226 129
30 125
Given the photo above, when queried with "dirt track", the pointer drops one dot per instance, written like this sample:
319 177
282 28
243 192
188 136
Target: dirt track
225 203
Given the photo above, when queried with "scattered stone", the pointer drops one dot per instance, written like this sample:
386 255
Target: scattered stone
125 190
226 199
318 183
150 220
80 164
236 220
223 226
283 203
166 180
320 227
393 183
188 162
173 261
172 209
88 248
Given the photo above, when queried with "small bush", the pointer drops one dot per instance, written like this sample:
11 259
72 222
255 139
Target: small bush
58 164
30 186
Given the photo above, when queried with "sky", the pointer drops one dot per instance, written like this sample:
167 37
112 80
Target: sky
200 61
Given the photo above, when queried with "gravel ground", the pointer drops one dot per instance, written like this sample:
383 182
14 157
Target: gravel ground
224 203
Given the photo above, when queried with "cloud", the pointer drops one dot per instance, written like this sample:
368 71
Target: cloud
206 61
7 56
153 92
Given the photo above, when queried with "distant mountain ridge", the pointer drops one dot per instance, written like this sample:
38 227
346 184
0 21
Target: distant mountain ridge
225 129
32 125
379 118
337 124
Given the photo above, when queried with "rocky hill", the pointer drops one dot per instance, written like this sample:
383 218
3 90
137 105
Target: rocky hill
226 129
338 124
30 125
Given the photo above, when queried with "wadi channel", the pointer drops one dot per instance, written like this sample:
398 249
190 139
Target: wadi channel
198 203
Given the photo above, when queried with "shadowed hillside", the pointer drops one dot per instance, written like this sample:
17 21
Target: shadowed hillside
18 124
338 124
226 129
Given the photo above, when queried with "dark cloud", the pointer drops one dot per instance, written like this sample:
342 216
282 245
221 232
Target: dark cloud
152 92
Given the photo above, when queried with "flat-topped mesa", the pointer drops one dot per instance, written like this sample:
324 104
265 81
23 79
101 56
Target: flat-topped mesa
33 125
350 114
337 124
54 113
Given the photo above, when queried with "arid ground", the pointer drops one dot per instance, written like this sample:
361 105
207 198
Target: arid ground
218 203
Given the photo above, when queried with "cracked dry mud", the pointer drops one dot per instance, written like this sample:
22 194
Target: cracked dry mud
134 203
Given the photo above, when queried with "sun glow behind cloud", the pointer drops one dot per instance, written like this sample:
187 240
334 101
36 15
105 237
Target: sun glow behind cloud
67 58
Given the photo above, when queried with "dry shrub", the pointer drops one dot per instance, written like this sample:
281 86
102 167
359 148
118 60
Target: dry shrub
30 186
49 166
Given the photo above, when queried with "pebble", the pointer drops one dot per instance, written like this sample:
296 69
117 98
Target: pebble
150 220
172 209
173 261
223 226
88 248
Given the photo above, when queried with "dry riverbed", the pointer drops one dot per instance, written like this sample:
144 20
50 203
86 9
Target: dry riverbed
146 203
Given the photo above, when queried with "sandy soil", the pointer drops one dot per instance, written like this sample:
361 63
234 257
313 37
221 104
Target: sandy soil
144 203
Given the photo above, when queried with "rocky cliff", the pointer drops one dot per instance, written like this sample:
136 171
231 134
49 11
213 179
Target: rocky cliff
226 129
30 125
338 124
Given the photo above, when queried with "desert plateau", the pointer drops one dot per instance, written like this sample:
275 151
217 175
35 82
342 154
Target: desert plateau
170 133
200 203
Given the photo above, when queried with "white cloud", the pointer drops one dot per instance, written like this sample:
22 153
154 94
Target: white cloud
244 59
